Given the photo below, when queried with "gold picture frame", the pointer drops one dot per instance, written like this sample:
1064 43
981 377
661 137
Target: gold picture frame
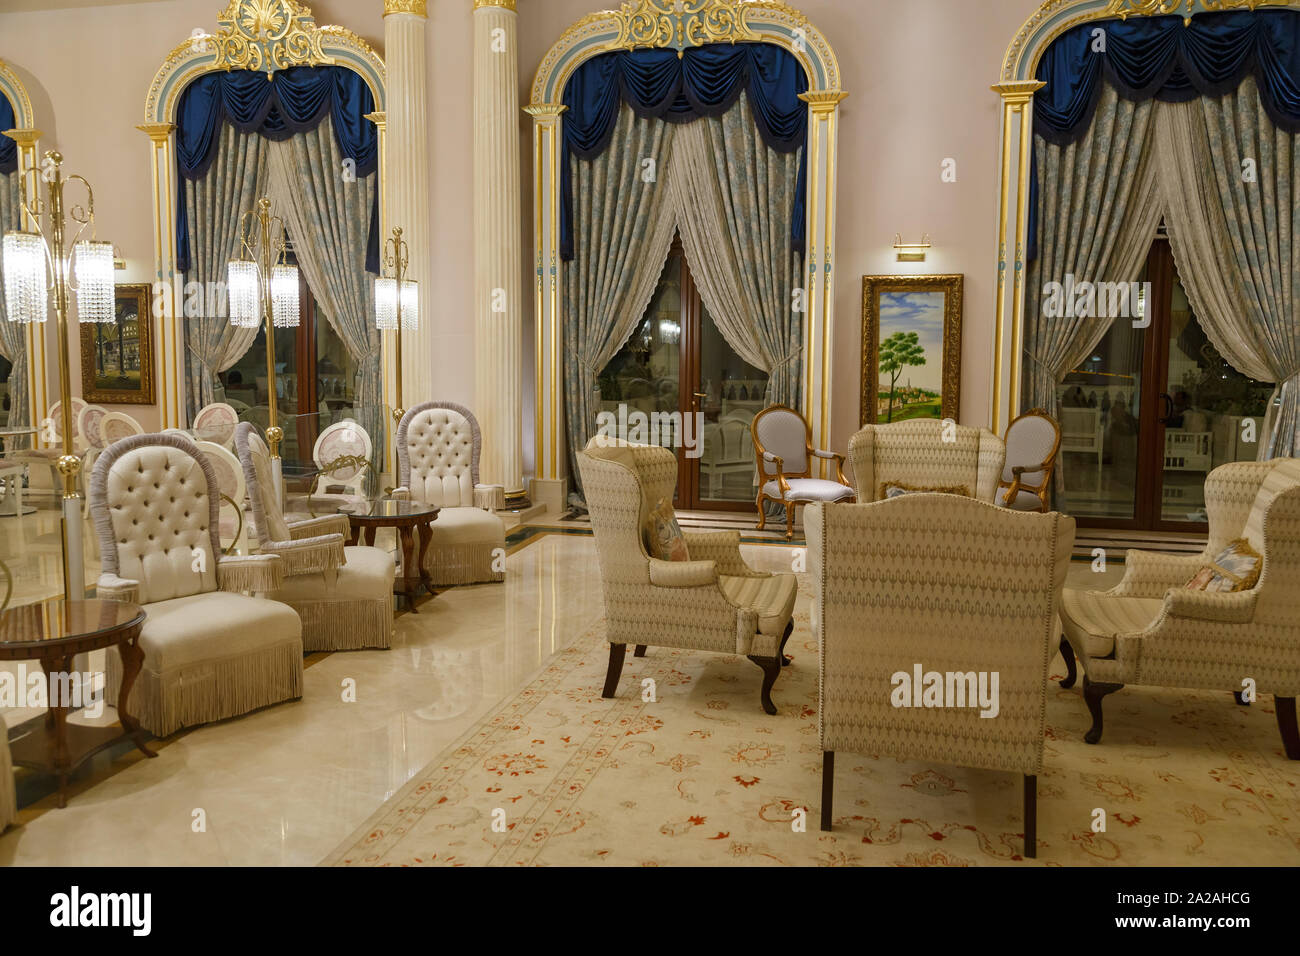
913 306
117 357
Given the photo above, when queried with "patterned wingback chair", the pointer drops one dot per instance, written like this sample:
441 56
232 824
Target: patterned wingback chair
210 652
344 595
438 448
1152 629
914 456
944 585
712 602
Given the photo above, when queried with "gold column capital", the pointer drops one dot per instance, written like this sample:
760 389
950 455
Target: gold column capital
503 4
158 132
417 7
1017 92
544 111
378 117
24 137
823 101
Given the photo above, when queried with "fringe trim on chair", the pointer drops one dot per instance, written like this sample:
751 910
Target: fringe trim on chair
462 564
244 576
8 794
209 691
314 559
345 625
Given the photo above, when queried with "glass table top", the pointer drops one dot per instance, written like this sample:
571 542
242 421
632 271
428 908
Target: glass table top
379 508
56 620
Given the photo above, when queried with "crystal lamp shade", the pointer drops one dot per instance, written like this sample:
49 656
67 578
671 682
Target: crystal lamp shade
284 296
26 292
241 293
386 302
94 269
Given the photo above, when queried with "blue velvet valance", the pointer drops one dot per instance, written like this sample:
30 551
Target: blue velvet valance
704 81
8 148
1166 59
293 101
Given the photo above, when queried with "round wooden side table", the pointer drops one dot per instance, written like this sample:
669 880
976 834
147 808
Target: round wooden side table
404 516
54 632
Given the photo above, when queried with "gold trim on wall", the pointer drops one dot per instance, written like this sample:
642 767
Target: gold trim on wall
872 286
142 292
417 7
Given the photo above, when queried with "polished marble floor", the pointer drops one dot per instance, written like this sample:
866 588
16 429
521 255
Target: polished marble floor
284 785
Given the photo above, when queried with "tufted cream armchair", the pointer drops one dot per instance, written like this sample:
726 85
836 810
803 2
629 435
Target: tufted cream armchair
713 602
343 595
438 448
944 585
914 454
1151 629
210 652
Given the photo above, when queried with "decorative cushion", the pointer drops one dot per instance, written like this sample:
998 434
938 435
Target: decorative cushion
1236 568
810 489
773 599
1096 618
663 535
894 489
466 526
367 576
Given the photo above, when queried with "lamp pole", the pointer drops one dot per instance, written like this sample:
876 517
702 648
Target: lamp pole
397 256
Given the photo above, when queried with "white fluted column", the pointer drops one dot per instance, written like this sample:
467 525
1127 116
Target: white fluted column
498 327
406 192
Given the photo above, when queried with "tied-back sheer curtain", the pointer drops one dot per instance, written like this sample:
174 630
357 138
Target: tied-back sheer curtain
1098 211
733 197
13 335
328 217
622 210
215 205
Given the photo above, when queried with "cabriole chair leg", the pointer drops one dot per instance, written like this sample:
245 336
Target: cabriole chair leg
762 516
771 669
1093 692
616 654
1071 672
789 520
1286 724
780 651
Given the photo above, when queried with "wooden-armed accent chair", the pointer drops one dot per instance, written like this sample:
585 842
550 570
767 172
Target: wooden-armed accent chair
940 585
1153 629
711 602
344 595
1032 442
438 448
210 650
925 454
784 456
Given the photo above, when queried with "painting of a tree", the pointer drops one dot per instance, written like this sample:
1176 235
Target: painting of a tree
899 351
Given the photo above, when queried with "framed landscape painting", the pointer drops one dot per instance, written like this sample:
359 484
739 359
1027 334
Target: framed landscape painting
911 347
117 357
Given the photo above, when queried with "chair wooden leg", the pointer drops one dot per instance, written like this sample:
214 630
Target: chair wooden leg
1093 692
789 520
616 654
1286 723
828 788
771 669
762 515
780 651
1031 816
640 651
1071 673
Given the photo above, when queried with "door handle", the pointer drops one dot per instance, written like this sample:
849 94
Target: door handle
1168 408
701 394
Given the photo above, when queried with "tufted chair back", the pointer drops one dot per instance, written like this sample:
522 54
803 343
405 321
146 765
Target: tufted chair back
154 501
914 453
438 447
259 480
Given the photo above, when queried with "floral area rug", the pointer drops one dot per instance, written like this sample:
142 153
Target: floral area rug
701 776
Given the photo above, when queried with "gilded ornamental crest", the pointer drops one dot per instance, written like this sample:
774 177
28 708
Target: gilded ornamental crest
267 35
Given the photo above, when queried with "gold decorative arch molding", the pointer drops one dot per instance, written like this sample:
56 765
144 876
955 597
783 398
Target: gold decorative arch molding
1017 86
680 25
261 35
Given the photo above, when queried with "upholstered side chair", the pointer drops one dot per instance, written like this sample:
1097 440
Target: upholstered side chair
1032 442
210 650
344 595
712 602
1153 629
926 455
438 448
784 456
923 585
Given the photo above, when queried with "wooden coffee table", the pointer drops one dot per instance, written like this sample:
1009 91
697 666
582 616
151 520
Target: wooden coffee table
54 632
404 516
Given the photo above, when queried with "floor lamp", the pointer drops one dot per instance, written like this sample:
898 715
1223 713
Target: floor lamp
397 305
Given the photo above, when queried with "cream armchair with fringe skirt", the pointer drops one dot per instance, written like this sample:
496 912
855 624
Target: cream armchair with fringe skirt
210 650
711 601
955 595
344 595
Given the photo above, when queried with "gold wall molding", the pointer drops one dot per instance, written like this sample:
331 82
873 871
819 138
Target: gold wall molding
505 4
267 35
16 93
419 8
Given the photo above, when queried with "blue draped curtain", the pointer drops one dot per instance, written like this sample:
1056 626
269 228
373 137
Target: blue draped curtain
1163 58
704 81
8 148
292 101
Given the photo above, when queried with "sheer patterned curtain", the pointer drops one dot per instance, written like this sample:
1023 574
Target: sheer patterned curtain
734 198
1098 210
215 205
328 217
13 335
623 213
